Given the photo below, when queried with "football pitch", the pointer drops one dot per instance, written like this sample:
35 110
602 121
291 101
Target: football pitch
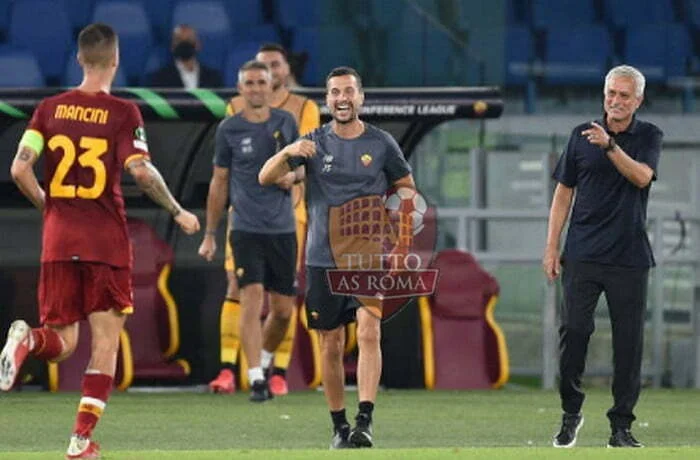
515 423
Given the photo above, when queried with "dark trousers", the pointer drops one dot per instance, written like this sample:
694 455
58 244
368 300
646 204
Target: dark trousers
626 292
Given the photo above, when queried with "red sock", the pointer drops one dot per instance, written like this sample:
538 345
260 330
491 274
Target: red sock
48 345
96 389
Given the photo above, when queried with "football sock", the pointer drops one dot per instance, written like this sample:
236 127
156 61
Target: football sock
255 374
366 407
339 418
230 335
283 354
96 389
266 358
45 343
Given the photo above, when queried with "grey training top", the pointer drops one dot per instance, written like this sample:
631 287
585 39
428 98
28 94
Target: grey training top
243 147
342 170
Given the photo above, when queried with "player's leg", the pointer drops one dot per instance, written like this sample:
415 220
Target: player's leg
328 314
280 279
107 300
369 370
283 354
225 381
250 271
60 303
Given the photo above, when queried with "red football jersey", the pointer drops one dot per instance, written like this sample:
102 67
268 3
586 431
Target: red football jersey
88 140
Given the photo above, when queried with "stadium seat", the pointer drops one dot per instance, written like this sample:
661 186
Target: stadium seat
130 21
646 46
577 54
322 58
520 53
73 74
210 20
25 68
263 33
632 13
241 53
42 26
157 58
79 12
463 347
298 13
160 13
246 12
152 334
4 17
557 13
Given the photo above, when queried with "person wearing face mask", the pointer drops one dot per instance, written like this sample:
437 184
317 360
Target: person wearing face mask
185 71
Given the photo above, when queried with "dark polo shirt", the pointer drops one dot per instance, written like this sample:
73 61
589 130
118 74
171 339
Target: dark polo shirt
609 214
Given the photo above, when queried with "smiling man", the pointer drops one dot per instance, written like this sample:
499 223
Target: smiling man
346 162
610 163
263 233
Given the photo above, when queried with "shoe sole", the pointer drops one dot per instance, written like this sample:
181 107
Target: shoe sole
359 439
9 367
573 441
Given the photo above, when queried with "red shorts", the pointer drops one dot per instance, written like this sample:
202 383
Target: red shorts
70 291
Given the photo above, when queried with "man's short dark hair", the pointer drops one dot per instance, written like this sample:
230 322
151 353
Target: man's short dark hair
97 43
276 47
340 71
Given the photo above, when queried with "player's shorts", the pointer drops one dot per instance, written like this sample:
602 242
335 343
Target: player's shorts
70 291
269 259
324 309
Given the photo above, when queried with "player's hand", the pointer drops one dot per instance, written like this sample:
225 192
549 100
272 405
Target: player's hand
302 148
188 222
596 135
286 182
551 263
208 247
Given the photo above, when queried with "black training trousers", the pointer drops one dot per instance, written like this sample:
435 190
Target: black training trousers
625 289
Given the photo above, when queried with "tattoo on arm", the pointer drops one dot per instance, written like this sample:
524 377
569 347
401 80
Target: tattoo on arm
152 184
25 154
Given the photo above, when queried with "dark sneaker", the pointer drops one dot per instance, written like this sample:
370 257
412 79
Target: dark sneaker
570 424
341 437
260 392
361 435
622 437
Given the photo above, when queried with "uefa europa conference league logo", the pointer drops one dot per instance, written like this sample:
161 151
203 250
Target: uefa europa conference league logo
371 234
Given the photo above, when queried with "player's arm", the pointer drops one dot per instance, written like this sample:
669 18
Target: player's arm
559 212
22 171
279 164
150 181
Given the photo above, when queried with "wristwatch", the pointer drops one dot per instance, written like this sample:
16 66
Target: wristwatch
611 145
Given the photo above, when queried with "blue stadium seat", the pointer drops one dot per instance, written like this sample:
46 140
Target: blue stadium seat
157 58
577 54
658 50
517 12
239 55
210 20
79 12
25 68
246 12
73 74
557 13
298 13
692 11
135 37
263 33
405 58
4 16
323 56
160 12
42 26
624 13
520 53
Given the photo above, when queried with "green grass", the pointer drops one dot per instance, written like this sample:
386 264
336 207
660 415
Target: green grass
515 423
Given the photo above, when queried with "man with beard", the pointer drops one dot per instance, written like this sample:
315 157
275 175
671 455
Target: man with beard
610 164
344 160
262 226
185 71
307 116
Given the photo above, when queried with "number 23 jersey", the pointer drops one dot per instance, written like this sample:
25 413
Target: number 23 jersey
87 140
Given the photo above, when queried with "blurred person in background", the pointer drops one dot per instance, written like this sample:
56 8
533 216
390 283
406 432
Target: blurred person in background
185 71
307 115
610 164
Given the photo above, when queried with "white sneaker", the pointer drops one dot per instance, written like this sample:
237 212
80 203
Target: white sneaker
82 448
14 353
